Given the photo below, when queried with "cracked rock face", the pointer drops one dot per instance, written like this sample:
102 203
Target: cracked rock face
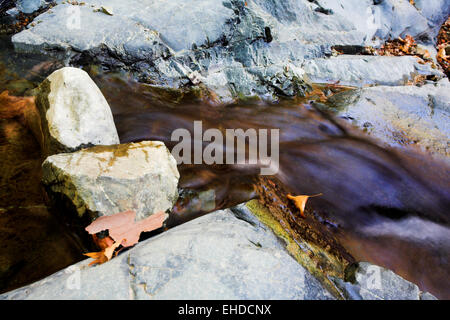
234 47
105 180
73 112
217 256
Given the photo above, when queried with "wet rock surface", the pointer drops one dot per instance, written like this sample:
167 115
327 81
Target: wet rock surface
30 6
33 243
217 256
366 281
233 47
402 115
105 180
73 113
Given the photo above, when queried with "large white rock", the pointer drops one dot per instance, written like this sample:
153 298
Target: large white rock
74 113
105 180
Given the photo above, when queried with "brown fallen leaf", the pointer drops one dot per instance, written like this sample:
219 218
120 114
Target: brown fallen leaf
104 255
408 44
443 47
99 257
300 202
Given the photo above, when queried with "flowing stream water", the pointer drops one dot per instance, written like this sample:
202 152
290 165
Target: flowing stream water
389 207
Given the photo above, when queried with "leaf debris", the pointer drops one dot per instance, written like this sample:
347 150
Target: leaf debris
123 231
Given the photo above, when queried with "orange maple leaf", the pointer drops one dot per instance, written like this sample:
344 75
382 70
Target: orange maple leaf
300 202
104 255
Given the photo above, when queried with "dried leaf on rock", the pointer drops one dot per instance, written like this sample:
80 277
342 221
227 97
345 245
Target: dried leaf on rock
443 47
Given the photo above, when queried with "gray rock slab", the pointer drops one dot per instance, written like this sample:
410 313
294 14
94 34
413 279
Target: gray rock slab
83 27
436 11
362 71
29 6
402 115
217 256
371 282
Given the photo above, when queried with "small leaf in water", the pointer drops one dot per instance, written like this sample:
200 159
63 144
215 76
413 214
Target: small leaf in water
300 202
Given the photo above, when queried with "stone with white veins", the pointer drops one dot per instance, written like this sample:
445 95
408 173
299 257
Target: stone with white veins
74 113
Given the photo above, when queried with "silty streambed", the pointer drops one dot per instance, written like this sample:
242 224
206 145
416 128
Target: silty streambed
385 206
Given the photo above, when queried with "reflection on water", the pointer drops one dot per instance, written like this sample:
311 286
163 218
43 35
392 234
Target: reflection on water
33 243
390 207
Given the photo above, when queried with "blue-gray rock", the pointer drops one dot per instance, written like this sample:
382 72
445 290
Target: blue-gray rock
360 71
402 115
217 256
371 282
234 47
105 180
435 11
29 6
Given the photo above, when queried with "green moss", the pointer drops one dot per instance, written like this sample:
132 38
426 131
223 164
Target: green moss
302 255
242 98
263 214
